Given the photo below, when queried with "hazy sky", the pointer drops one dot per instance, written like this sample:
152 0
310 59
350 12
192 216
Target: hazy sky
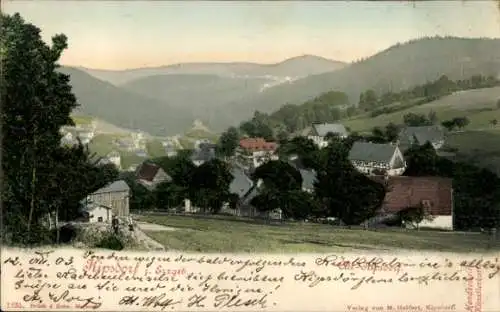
128 34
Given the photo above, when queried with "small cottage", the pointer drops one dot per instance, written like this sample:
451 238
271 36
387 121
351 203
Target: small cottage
98 213
319 131
150 175
377 159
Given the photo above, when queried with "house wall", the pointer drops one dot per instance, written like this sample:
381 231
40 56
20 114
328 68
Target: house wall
100 212
160 177
439 222
118 201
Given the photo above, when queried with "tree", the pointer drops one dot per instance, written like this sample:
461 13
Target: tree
168 195
228 142
448 124
140 197
461 122
415 120
493 122
304 148
422 161
209 187
392 132
281 189
347 194
368 100
40 177
415 215
278 175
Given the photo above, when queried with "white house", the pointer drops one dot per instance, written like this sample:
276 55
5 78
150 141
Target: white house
115 158
377 159
318 133
98 213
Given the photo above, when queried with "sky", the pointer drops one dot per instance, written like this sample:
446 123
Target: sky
133 34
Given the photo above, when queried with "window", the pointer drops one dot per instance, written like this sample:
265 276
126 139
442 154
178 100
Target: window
99 219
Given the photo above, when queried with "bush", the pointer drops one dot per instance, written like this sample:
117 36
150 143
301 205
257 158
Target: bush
110 241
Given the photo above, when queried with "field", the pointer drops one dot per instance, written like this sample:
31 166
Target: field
480 147
477 105
81 119
102 144
227 234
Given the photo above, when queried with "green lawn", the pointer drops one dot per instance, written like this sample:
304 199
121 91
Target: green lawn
479 147
82 119
155 148
197 234
477 105
102 144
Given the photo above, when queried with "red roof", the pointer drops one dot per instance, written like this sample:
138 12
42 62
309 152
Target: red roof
404 192
257 144
147 171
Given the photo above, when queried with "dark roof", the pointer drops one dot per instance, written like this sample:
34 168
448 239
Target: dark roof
366 151
147 171
322 129
206 153
241 183
421 134
117 186
404 192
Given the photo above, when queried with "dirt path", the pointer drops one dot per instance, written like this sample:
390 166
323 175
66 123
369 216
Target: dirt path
146 226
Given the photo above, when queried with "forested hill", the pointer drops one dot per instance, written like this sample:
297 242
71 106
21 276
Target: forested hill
395 69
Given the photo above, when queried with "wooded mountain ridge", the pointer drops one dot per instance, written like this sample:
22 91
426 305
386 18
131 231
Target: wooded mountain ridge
222 101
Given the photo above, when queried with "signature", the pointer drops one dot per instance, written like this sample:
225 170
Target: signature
90 302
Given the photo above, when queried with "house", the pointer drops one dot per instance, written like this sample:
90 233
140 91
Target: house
115 158
434 194
257 151
319 131
108 201
97 213
68 139
420 135
200 142
85 135
204 153
150 175
377 159
138 140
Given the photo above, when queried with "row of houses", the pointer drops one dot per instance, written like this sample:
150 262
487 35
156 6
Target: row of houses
382 162
71 135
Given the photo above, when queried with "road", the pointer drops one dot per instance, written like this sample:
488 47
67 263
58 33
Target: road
146 226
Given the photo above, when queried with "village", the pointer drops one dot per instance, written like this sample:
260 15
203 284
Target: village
381 162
